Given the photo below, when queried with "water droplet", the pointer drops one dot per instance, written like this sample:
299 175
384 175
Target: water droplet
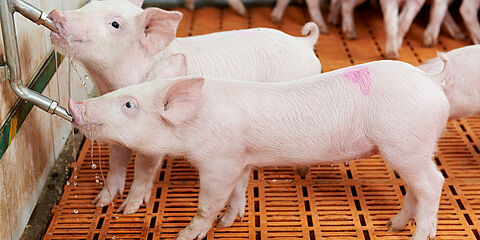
101 183
75 177
50 233
96 176
75 184
94 165
331 165
116 216
68 183
97 181
346 163
76 196
113 237
75 211
274 180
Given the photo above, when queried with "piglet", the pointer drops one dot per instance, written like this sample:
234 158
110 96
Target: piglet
226 127
463 85
121 44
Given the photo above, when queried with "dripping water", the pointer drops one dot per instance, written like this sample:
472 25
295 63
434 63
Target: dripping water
94 166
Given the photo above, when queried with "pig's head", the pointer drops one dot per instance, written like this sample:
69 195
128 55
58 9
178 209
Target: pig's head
112 35
147 117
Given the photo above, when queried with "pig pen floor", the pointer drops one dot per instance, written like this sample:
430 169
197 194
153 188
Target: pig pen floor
336 201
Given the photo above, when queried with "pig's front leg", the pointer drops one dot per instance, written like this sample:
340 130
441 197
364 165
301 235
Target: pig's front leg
236 204
216 185
145 171
468 10
115 182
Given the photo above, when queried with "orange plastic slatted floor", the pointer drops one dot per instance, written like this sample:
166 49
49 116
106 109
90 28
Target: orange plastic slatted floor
334 201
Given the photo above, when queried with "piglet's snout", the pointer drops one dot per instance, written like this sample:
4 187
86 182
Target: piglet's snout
76 109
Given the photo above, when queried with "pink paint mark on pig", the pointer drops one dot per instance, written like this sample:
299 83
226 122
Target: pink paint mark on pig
360 76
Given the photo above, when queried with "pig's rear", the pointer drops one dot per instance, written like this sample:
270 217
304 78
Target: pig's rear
271 55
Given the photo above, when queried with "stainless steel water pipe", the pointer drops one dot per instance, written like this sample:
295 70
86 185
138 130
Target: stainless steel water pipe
7 9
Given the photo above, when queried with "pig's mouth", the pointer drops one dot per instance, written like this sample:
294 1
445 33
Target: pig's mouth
91 130
65 42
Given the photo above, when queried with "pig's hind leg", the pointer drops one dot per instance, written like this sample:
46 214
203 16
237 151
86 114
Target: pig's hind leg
424 183
115 182
145 171
437 14
216 186
408 13
279 10
469 10
238 6
236 204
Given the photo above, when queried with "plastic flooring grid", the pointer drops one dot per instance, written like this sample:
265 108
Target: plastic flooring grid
333 201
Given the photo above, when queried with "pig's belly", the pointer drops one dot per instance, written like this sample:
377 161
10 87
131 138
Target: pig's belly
327 153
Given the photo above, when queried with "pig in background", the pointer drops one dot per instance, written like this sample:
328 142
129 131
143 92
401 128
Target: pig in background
463 88
439 12
332 117
121 44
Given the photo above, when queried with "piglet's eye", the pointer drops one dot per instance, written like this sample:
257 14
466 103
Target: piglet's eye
129 105
115 24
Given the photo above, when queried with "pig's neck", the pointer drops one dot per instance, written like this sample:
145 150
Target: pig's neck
120 75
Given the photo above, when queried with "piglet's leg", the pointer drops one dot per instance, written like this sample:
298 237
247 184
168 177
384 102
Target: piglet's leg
238 6
409 11
390 21
145 171
424 183
278 10
115 182
468 10
348 21
236 204
190 4
437 14
333 15
316 15
216 185
452 27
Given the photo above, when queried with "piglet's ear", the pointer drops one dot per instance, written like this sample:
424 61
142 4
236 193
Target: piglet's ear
172 66
159 28
181 100
137 2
